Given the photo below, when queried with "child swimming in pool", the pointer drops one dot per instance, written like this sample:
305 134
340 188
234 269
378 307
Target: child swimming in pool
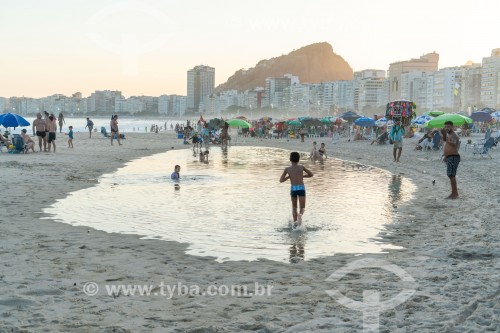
296 175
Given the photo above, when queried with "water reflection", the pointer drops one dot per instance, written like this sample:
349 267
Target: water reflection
234 207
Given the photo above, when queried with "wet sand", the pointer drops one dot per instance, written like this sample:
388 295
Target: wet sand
450 250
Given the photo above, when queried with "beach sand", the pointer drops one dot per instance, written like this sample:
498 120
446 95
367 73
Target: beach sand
450 249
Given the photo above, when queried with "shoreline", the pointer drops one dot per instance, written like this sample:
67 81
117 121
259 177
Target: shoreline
445 248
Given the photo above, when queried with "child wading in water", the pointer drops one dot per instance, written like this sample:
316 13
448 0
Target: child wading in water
296 175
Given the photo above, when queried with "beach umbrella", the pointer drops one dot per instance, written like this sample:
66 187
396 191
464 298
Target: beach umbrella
241 117
238 123
349 116
456 119
496 115
364 122
435 113
489 110
480 116
421 120
381 122
13 120
266 119
329 119
294 123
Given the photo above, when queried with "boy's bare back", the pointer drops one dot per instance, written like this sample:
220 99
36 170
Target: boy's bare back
295 173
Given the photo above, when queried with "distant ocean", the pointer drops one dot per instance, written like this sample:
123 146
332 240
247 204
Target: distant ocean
126 125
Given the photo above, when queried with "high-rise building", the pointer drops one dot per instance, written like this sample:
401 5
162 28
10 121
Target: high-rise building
426 63
372 91
470 86
200 85
275 90
490 80
446 88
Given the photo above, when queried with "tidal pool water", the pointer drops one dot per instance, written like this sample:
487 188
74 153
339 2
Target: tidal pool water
234 208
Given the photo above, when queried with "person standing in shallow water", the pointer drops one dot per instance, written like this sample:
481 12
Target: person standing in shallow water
296 175
451 157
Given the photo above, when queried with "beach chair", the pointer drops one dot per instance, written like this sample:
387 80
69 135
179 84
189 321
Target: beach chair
18 143
436 141
483 149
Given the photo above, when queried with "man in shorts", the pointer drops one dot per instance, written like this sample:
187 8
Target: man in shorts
39 129
52 129
397 134
451 157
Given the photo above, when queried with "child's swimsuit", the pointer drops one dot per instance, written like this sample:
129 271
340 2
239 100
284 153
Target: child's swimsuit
298 190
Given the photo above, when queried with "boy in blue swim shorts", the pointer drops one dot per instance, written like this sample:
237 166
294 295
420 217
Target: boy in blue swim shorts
295 173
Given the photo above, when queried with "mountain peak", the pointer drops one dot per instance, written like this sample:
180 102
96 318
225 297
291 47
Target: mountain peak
313 63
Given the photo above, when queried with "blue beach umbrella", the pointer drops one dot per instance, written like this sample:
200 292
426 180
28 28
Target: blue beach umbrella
480 116
364 122
421 120
13 120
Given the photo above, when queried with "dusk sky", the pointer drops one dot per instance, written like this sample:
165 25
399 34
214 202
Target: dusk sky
57 46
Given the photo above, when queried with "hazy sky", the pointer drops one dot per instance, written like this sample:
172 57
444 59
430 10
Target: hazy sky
146 47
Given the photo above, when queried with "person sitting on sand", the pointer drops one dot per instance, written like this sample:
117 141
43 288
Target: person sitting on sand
296 175
5 140
28 142
175 175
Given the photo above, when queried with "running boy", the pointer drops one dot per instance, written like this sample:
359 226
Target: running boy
296 175
70 137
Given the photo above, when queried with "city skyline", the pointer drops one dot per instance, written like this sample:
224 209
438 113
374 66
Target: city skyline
60 47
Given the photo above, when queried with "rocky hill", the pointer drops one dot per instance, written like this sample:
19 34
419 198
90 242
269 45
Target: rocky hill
312 64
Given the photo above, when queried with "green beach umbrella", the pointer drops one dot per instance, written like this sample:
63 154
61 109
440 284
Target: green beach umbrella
239 123
456 119
435 113
294 123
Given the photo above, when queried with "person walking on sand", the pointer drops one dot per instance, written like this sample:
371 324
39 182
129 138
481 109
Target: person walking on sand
61 121
451 157
90 126
52 129
295 173
39 131
397 133
114 129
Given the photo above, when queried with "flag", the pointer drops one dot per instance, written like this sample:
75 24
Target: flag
455 90
201 119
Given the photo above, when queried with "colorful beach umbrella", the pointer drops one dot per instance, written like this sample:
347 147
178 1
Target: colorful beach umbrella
266 119
364 122
480 116
456 119
238 123
13 120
